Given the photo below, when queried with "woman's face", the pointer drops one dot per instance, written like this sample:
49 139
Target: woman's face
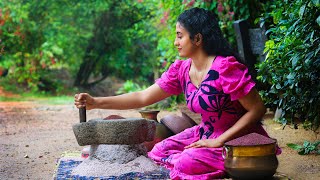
183 42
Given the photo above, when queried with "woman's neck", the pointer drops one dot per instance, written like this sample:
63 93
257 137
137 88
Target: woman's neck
200 61
200 65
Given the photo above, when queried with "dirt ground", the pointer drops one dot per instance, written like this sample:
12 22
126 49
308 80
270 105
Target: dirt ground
34 135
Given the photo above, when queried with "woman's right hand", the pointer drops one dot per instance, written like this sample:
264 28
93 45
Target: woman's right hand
84 100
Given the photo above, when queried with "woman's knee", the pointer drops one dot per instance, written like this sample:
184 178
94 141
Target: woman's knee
198 161
190 164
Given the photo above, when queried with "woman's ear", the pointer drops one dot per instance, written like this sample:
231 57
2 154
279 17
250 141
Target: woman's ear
198 39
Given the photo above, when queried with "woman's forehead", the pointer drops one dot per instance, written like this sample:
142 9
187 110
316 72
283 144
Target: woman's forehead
180 28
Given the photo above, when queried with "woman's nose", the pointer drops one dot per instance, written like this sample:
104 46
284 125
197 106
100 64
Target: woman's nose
175 42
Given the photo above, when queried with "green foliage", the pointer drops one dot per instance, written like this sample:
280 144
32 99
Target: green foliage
36 37
306 148
230 10
123 43
39 37
169 103
293 62
129 86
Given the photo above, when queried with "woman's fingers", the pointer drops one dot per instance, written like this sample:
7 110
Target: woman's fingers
198 144
189 146
76 96
79 104
81 96
194 145
210 143
80 100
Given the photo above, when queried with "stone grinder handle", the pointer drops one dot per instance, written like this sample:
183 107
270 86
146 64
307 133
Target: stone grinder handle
82 114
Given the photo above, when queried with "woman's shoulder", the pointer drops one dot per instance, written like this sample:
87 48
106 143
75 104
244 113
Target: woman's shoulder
181 63
225 59
225 63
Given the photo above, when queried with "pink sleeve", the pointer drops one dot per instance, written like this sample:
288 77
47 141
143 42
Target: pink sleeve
234 78
169 80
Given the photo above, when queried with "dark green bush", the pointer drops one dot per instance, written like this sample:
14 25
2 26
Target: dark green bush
293 62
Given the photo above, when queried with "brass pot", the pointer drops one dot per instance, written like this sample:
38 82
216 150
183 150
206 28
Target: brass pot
250 162
149 114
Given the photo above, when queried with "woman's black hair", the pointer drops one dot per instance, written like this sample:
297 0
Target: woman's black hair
198 20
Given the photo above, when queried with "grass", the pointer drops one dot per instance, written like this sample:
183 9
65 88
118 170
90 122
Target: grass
40 98
55 100
19 93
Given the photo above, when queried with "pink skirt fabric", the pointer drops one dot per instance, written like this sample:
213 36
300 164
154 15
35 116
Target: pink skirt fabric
192 163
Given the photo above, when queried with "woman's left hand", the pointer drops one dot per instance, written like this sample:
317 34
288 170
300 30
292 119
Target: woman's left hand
211 143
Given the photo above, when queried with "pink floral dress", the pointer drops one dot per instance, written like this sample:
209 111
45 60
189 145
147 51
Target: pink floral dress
216 100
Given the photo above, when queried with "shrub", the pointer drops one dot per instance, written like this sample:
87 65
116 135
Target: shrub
293 62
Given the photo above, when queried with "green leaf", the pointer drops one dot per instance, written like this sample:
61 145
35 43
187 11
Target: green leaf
294 146
301 12
302 152
294 60
316 3
291 76
318 20
57 50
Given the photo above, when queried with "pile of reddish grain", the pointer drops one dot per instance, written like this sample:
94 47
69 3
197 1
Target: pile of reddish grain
251 139
113 117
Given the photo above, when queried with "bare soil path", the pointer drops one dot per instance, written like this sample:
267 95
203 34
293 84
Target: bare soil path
34 135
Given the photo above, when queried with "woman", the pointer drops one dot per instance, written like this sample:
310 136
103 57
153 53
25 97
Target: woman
215 85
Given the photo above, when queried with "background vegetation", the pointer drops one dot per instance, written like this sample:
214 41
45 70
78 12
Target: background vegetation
56 47
293 61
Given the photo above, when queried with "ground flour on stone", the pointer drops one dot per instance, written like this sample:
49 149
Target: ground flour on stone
117 153
114 160
98 168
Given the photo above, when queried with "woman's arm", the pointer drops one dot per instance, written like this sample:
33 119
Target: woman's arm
253 103
132 100
255 112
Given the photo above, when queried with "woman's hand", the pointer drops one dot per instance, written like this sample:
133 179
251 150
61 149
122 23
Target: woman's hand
84 100
210 143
